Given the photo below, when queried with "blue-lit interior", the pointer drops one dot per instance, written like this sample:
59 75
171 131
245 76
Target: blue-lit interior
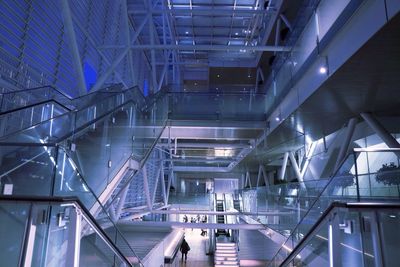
272 127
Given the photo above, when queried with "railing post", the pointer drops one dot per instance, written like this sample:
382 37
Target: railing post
74 237
376 240
356 174
334 242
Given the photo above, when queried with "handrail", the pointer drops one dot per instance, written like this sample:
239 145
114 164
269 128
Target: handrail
312 205
33 105
62 200
334 205
67 98
74 112
141 165
366 149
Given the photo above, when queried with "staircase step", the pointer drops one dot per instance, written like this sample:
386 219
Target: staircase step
219 258
226 244
225 262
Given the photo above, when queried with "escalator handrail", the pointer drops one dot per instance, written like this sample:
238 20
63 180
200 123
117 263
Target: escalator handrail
75 200
334 205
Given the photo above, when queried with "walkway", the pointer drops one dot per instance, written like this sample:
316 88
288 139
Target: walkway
197 255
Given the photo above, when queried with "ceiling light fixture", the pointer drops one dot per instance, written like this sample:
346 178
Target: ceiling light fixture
323 70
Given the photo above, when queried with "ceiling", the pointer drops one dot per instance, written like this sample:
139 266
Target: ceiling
194 35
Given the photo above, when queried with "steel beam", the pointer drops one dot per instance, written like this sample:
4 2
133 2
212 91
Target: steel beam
202 12
351 125
378 128
283 168
238 48
197 225
278 5
73 44
128 39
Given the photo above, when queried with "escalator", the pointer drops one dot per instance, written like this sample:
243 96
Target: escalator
220 218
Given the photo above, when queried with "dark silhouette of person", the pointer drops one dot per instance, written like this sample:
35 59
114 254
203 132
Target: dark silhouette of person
184 248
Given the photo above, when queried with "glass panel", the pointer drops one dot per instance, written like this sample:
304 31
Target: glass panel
390 235
13 217
29 170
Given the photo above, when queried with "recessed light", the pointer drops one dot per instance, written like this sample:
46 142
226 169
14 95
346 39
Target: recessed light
249 76
277 119
187 32
236 33
323 70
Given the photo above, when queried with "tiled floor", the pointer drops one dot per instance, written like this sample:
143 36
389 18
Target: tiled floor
197 255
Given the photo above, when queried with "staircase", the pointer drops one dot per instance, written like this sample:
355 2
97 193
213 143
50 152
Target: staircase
226 255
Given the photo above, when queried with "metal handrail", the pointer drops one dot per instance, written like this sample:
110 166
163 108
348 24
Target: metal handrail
335 205
74 111
366 149
312 205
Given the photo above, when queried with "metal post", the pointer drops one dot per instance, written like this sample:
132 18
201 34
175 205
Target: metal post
164 193
334 242
146 188
357 180
295 167
258 176
73 44
74 238
152 52
376 240
277 32
284 164
351 125
121 203
128 39
156 184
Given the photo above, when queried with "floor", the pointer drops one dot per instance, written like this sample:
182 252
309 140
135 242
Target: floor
197 255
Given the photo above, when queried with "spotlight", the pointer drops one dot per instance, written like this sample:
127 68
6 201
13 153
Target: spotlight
323 70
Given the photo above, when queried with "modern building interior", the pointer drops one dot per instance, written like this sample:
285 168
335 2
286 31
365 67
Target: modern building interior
263 133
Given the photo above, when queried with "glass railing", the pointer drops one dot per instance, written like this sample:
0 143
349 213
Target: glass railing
99 140
58 127
352 234
220 106
26 117
79 153
201 201
365 175
53 173
52 231
19 99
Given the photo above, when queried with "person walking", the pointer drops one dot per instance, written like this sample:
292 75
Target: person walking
184 249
